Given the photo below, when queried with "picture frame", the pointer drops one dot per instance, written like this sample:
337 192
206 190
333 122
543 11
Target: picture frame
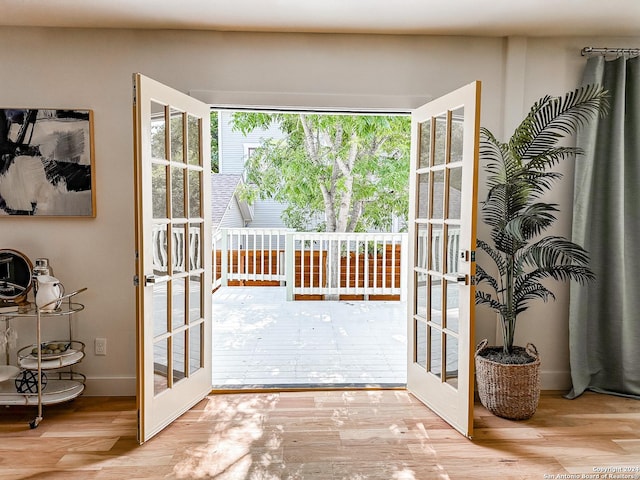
46 163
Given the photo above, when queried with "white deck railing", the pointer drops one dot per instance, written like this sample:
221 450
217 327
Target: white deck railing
311 263
345 264
249 254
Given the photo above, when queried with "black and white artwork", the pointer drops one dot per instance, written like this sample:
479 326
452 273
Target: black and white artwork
46 163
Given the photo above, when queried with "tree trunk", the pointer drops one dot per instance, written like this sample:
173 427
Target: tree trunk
333 269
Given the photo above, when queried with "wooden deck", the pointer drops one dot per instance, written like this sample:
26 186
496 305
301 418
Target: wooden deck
327 435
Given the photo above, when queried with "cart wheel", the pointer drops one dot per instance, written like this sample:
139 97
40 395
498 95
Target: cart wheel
35 422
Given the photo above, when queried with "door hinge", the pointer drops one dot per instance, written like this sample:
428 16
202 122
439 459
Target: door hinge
473 255
136 281
135 96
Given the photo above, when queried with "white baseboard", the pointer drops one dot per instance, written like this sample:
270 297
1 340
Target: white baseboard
110 387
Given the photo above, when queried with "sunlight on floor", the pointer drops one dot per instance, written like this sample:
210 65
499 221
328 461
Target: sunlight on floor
272 436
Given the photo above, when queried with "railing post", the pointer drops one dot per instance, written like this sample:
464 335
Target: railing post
404 265
365 254
289 264
224 258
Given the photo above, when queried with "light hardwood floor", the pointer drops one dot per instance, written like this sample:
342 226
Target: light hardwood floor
350 435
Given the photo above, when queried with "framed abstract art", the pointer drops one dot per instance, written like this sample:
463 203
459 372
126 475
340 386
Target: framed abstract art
46 163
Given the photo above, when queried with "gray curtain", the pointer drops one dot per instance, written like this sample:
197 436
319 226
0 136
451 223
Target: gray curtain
604 318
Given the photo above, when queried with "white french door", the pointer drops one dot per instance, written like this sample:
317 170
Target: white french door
173 251
442 239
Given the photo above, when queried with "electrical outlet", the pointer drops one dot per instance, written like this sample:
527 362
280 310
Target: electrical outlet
100 346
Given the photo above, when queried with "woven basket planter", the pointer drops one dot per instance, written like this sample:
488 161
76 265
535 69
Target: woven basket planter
508 391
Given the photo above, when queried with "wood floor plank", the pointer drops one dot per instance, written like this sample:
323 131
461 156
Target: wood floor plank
319 435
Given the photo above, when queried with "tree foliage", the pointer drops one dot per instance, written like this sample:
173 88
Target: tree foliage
351 170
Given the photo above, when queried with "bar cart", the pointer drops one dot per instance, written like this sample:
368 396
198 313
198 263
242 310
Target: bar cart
31 386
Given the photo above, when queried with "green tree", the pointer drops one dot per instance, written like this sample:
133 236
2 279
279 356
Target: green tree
215 159
351 169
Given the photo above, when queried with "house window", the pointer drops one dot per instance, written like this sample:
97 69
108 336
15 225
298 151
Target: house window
249 149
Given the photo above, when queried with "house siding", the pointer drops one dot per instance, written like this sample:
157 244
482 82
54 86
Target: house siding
232 218
232 143
267 214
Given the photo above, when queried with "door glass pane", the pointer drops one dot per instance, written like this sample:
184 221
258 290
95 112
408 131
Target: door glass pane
457 134
179 356
423 196
193 140
421 294
196 353
436 248
160 321
179 248
453 248
177 136
435 300
435 352
196 234
178 302
422 252
195 292
158 131
194 194
455 193
451 347
438 194
453 297
177 192
160 366
441 135
425 144
421 343
159 246
159 187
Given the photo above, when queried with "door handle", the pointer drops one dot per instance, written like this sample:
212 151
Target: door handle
154 280
461 278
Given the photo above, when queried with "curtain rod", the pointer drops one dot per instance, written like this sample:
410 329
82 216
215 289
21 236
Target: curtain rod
609 51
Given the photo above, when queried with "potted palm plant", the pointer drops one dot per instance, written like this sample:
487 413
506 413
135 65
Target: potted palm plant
519 173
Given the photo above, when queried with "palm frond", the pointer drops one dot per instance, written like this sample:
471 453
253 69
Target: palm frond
551 157
552 118
483 277
553 250
532 221
577 273
483 298
532 291
498 260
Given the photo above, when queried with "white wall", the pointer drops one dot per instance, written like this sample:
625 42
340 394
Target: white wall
92 69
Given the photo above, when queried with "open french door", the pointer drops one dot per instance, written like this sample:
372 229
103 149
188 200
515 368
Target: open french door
442 239
173 251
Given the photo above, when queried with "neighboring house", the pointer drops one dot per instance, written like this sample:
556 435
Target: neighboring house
227 209
234 149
